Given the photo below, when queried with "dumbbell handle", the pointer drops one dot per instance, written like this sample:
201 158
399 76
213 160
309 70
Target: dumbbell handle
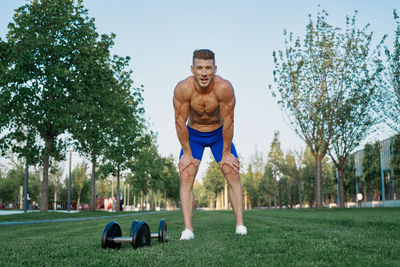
154 235
127 239
120 239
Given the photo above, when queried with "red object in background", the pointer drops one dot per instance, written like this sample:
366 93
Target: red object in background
100 203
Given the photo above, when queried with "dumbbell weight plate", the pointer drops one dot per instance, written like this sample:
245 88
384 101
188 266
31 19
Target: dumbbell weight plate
112 230
134 223
141 235
162 231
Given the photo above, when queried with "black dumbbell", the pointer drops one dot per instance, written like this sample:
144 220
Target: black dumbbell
162 234
112 235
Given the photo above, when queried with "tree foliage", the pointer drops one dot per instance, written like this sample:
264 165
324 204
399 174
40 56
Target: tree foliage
48 43
325 84
214 180
389 103
349 179
276 164
371 176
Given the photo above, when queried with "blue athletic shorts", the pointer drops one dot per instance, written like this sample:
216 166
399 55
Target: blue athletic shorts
200 140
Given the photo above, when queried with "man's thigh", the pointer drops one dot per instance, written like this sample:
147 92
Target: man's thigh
217 148
197 150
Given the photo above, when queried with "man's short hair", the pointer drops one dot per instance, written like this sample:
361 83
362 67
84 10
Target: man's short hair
203 54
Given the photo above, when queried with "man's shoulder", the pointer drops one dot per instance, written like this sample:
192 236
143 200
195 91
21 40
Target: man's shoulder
223 87
186 84
184 88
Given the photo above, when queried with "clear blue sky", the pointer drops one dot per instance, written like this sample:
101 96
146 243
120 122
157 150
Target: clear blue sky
160 37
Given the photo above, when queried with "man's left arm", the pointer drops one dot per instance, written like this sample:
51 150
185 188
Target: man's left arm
227 106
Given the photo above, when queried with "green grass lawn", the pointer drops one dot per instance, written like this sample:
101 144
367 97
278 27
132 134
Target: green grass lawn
275 237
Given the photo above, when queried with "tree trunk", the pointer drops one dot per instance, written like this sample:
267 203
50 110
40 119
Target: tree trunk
44 204
341 188
78 202
152 200
318 182
124 199
93 200
55 200
300 195
127 196
118 196
269 201
112 186
165 198
141 200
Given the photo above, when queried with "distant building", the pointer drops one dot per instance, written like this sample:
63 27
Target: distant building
387 181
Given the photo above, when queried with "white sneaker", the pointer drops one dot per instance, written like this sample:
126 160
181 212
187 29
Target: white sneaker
187 235
241 230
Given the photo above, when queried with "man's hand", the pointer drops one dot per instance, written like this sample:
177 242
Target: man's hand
231 161
185 162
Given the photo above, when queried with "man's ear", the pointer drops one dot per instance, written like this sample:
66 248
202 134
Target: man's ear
192 69
215 69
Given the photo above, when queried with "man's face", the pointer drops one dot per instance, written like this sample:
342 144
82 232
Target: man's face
203 71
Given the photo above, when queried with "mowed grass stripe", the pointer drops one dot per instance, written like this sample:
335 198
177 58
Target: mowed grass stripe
275 238
337 235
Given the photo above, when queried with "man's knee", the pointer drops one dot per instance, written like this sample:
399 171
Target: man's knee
189 174
227 170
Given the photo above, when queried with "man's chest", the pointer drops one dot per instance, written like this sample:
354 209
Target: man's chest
204 103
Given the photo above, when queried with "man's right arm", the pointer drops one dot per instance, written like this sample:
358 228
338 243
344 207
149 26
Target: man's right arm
181 107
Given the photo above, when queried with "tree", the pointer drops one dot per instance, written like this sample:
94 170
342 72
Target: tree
171 180
326 84
126 131
371 169
283 194
79 178
93 104
55 183
358 81
276 162
395 160
147 168
257 161
308 176
268 184
47 42
349 178
214 180
4 96
250 186
389 102
200 195
291 171
256 172
10 183
329 181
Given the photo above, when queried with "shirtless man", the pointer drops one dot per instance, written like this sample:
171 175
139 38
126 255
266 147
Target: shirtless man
206 102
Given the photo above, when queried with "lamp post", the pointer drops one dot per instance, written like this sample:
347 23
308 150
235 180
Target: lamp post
26 187
26 132
69 181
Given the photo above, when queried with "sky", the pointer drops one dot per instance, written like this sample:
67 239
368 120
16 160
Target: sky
160 37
